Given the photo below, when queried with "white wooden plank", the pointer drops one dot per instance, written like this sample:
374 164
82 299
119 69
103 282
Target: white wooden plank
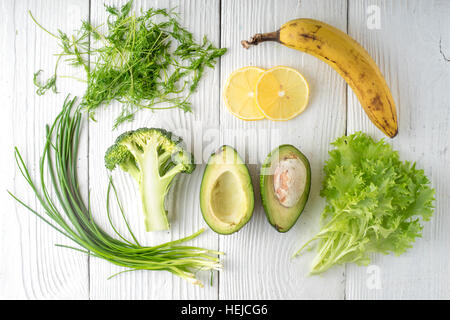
411 48
32 267
258 264
201 19
10 275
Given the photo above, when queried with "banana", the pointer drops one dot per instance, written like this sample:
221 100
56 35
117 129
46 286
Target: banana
348 58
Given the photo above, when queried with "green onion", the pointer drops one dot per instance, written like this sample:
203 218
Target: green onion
67 213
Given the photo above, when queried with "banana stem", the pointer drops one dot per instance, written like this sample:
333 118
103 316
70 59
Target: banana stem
261 37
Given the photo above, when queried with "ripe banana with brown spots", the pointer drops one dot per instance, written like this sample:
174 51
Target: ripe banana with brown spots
348 58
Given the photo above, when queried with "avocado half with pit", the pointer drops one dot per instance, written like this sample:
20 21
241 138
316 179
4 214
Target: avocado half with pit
285 183
226 192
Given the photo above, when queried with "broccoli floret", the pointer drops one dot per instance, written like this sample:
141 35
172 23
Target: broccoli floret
153 157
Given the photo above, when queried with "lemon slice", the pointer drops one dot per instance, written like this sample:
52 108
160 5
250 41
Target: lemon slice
239 93
281 93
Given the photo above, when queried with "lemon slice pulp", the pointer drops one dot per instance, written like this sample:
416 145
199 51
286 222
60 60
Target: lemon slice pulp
239 93
281 93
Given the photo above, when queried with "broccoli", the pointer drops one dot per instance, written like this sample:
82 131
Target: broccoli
153 157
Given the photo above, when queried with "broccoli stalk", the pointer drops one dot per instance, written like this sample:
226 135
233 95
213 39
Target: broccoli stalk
153 187
153 157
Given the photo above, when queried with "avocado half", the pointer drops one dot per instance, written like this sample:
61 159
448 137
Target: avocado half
226 193
283 215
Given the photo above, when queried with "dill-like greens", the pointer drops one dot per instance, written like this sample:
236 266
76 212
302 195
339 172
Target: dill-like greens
141 61
65 211
50 83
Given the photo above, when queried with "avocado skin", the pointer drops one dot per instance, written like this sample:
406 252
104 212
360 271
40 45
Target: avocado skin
224 148
303 199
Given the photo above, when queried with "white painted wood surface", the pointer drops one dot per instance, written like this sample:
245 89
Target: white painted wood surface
412 48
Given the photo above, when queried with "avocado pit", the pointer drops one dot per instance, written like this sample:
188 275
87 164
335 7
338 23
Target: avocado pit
289 181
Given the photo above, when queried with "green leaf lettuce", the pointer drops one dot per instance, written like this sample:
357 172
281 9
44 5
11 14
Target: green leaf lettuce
375 203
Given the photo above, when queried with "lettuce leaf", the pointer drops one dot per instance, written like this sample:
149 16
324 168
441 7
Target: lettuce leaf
374 203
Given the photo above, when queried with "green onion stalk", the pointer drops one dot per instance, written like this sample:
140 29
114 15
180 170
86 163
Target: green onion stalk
65 211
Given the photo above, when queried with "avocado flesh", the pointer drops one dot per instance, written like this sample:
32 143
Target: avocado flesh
226 192
281 217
